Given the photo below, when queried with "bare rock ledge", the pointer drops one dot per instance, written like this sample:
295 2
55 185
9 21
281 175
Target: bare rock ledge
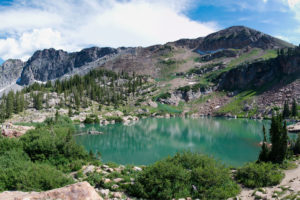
77 191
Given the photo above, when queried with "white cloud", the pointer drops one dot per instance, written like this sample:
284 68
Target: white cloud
283 38
75 24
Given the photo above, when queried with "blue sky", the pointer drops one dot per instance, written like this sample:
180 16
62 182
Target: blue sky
29 25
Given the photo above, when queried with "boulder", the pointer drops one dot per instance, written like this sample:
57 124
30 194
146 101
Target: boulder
78 191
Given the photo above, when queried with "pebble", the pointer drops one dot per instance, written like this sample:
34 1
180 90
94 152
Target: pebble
115 186
117 180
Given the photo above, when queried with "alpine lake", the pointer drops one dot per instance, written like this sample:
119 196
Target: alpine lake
231 141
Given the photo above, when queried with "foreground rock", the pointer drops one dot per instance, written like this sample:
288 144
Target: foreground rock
78 191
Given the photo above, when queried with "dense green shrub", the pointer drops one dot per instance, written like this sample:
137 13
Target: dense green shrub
163 96
92 119
254 175
114 118
186 174
37 160
17 172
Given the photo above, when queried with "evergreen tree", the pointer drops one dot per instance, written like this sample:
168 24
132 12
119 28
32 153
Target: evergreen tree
286 110
264 153
294 108
38 101
279 140
9 104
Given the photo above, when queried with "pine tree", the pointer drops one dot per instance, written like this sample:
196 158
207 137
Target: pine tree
294 108
70 114
264 153
9 104
279 140
286 110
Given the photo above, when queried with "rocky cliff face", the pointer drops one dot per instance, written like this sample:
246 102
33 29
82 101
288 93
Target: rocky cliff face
10 71
259 73
50 64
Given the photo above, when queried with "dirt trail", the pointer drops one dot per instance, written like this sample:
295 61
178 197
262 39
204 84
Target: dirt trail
290 185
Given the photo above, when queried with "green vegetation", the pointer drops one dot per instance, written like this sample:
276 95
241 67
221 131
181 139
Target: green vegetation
244 57
286 110
92 119
114 118
294 108
238 102
255 175
185 175
164 108
38 160
271 53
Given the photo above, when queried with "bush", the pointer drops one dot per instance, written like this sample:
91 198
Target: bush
185 175
254 175
115 118
92 119
17 172
37 160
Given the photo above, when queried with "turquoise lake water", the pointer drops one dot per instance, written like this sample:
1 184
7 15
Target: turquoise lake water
232 141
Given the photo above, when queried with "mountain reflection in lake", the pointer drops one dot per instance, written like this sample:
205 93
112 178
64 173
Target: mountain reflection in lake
232 141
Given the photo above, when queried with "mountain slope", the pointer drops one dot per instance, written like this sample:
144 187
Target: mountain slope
238 37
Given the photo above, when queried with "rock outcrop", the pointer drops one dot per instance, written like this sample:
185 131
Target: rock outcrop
10 71
258 74
11 131
77 191
50 64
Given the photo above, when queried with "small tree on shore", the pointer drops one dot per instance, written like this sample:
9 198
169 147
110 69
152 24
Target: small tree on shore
279 141
286 110
294 108
264 153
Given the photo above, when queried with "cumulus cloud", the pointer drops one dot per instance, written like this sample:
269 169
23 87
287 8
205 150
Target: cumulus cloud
75 24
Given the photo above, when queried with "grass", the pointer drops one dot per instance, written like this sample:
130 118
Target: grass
236 105
244 57
169 108
271 53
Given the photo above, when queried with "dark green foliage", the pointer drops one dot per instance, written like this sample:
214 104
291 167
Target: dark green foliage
279 140
37 160
102 86
255 175
264 153
296 147
185 174
17 172
95 179
163 96
92 119
294 108
115 118
184 89
38 100
286 110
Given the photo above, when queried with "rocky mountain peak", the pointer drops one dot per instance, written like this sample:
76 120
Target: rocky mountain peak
239 37
49 64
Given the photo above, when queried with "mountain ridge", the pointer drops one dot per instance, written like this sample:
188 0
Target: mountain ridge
51 64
